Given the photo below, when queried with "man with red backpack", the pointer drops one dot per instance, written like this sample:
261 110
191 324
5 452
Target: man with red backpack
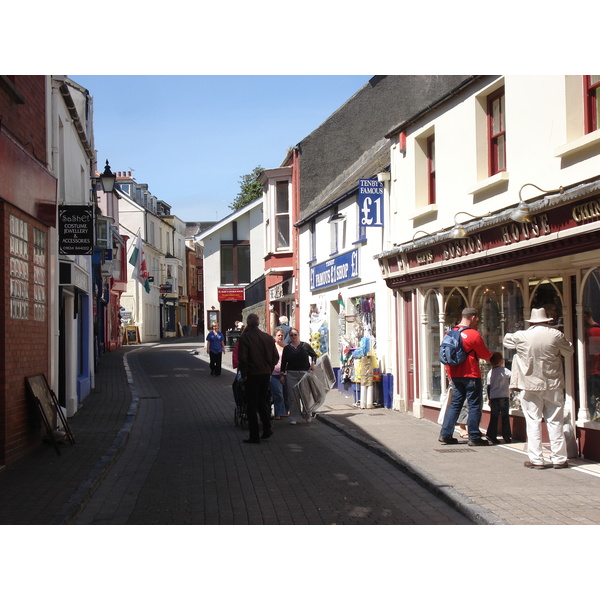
466 382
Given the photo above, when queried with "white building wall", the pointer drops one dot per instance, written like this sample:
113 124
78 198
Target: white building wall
249 227
71 164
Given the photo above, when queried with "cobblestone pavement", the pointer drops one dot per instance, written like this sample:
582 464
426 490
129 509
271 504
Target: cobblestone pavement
185 463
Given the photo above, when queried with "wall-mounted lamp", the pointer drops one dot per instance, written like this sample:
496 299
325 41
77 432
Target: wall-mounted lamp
108 179
458 231
522 213
336 218
417 233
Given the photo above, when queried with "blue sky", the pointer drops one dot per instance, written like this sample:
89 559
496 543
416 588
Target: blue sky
192 137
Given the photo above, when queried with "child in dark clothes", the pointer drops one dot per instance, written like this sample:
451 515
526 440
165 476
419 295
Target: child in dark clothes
498 381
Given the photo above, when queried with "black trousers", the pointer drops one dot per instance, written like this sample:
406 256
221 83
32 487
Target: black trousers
215 362
257 404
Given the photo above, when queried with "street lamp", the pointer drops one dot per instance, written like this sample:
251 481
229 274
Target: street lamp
108 179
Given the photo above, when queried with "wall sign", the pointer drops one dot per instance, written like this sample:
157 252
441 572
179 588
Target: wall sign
370 202
336 270
75 229
230 293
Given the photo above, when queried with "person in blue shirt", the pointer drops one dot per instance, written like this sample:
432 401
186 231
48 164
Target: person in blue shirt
215 346
498 382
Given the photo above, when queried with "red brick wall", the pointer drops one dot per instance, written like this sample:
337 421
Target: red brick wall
24 347
26 122
25 352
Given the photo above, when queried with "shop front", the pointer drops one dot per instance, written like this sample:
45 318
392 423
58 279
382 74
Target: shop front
343 324
504 269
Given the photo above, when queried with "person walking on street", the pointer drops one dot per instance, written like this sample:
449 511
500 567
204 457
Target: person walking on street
257 358
280 398
215 346
537 371
283 325
466 383
297 358
498 383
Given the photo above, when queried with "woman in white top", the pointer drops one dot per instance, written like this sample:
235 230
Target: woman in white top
279 393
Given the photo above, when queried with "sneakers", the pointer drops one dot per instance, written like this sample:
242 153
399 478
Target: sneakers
448 440
293 422
478 442
562 465
530 465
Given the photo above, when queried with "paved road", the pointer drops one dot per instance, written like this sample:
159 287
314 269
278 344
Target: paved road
185 463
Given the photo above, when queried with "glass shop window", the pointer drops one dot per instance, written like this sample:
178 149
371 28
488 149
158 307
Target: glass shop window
591 317
433 339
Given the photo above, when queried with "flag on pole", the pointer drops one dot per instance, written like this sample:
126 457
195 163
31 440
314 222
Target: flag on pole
138 260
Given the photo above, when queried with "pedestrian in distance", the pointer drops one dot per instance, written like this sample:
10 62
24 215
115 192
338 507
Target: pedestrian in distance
215 346
284 326
537 371
257 358
498 383
466 382
280 397
297 358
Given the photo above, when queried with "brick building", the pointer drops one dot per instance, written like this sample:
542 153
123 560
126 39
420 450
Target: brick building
27 222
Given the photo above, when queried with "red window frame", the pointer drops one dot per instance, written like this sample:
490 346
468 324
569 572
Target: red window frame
431 169
496 132
591 88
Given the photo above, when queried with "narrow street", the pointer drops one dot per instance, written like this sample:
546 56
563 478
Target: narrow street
185 463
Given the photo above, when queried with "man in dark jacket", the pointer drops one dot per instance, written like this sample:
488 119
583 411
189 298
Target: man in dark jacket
257 356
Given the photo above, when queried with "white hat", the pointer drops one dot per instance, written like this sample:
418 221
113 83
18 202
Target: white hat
538 315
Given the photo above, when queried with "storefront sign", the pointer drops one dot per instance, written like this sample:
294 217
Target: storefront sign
337 270
230 294
75 229
370 202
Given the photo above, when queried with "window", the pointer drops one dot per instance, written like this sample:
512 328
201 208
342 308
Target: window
431 169
19 269
313 241
282 215
496 132
591 320
235 263
592 106
39 275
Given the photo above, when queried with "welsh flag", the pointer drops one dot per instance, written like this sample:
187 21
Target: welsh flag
138 260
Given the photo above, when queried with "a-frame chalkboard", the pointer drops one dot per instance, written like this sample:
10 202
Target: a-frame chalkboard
49 409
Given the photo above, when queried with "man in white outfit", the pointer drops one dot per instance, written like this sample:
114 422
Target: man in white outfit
537 370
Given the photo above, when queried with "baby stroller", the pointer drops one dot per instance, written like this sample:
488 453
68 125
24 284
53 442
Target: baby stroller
239 416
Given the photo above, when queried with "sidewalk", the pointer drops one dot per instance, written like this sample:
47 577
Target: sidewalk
487 484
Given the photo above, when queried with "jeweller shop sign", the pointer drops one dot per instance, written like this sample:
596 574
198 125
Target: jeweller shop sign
75 229
336 270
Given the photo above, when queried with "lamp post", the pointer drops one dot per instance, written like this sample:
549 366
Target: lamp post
108 179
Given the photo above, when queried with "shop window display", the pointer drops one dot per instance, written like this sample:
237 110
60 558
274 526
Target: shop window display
358 347
500 309
433 340
591 319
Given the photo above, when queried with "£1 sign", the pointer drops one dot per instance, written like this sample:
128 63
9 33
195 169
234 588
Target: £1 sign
370 201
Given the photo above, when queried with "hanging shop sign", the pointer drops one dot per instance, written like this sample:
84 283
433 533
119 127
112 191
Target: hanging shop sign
336 270
75 229
370 202
230 294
